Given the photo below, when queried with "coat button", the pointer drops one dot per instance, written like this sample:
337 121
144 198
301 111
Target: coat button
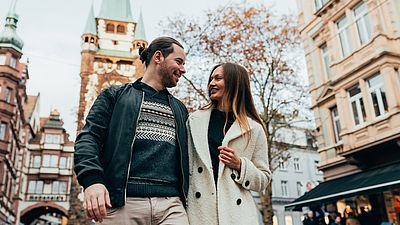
233 176
200 169
247 183
239 201
198 195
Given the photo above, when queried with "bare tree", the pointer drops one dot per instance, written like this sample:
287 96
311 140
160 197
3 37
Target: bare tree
268 45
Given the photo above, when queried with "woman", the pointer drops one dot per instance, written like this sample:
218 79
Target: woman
227 152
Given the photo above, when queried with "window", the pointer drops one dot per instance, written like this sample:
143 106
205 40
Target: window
53 161
284 188
362 21
316 165
3 58
282 164
377 95
35 187
53 138
3 130
13 62
344 36
120 29
325 61
296 164
36 161
299 188
288 220
50 160
110 28
336 123
63 187
63 162
55 187
319 3
8 94
357 105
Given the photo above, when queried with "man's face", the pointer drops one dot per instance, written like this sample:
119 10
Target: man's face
172 67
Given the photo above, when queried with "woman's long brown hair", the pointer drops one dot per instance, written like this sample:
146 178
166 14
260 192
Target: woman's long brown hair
237 95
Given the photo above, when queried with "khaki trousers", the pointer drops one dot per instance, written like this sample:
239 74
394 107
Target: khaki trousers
148 211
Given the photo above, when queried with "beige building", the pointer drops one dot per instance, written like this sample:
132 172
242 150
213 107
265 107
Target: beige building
352 50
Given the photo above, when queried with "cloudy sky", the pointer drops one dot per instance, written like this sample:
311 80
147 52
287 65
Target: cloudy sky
51 30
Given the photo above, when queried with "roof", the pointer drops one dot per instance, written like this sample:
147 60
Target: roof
115 53
140 34
9 37
30 106
90 27
369 181
119 10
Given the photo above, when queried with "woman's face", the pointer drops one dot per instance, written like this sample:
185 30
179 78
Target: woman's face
216 87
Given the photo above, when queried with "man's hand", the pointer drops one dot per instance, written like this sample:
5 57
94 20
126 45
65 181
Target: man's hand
96 201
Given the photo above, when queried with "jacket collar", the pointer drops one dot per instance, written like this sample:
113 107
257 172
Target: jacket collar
198 125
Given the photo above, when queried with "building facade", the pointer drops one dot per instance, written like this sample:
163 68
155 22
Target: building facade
48 173
13 97
352 50
110 51
292 176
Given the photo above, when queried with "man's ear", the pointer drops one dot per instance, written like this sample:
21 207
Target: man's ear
158 57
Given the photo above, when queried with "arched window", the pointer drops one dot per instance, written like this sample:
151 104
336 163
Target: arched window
110 28
121 29
91 40
86 39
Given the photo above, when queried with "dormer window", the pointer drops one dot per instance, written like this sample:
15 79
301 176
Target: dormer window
121 29
52 139
110 28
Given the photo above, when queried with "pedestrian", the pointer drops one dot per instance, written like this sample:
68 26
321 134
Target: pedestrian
131 156
337 221
227 152
310 219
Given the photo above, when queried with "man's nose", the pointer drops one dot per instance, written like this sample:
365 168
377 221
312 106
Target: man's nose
182 69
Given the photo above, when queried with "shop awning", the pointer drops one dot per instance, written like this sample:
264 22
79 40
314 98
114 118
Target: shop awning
369 181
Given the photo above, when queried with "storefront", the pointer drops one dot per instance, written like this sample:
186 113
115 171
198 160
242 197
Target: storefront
371 196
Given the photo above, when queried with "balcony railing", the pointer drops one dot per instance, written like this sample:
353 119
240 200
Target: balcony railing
47 197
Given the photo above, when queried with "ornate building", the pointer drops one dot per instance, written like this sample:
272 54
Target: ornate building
352 52
13 139
110 44
48 173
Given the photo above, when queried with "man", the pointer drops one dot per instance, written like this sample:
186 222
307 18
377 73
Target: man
131 156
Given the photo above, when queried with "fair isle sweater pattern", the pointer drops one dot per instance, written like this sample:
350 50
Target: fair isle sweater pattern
156 123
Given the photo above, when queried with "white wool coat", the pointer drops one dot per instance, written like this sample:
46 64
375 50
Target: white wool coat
231 203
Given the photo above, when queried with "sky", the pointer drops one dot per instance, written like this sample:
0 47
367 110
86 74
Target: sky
52 29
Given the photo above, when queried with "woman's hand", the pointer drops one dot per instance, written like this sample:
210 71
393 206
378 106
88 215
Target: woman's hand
228 156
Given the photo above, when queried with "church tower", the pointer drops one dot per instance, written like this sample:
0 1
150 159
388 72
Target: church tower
109 55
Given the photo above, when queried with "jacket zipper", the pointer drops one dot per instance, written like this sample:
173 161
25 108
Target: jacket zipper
180 150
133 140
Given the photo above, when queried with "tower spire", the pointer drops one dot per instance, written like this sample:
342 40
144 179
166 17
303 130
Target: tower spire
90 27
9 37
119 10
140 33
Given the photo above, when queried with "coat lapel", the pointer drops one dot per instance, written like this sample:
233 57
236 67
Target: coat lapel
198 124
233 133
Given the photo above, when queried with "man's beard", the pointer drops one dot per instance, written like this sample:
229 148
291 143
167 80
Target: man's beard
167 77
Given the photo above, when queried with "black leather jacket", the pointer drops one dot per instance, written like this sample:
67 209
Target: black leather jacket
103 148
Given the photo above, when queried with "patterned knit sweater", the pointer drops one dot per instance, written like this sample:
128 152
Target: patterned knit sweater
154 169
